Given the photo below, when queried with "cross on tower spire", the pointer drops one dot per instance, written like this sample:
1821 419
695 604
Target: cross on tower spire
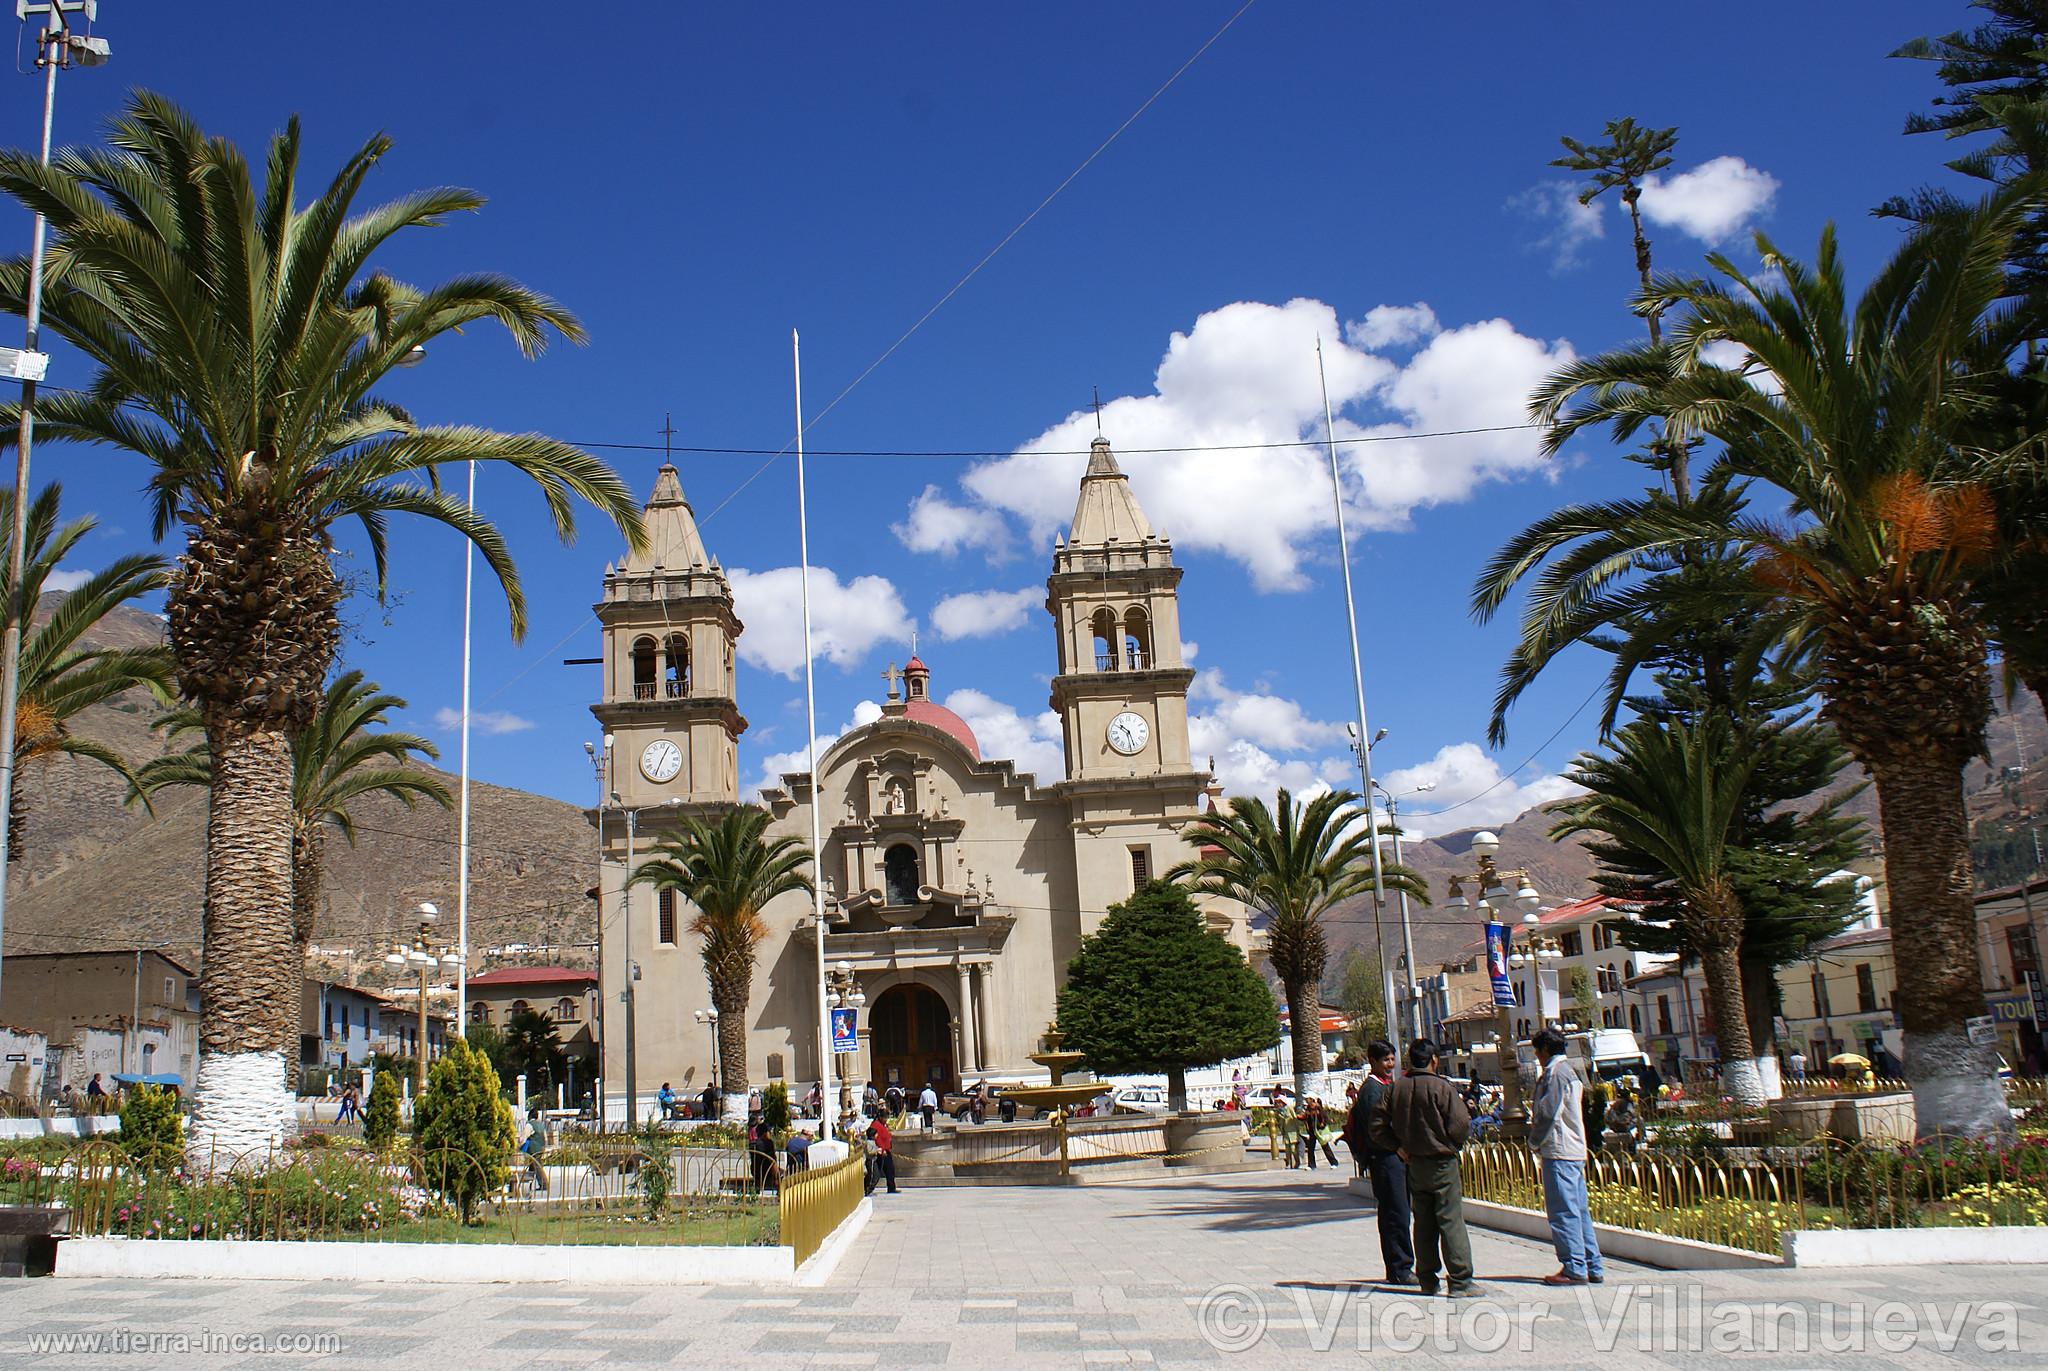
1098 407
668 433
892 676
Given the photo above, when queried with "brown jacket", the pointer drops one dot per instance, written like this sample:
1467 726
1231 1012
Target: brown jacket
1422 1115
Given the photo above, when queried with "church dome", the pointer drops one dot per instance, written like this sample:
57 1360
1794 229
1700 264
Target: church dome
919 706
924 711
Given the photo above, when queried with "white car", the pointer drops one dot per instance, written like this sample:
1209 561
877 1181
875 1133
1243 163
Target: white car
1140 1099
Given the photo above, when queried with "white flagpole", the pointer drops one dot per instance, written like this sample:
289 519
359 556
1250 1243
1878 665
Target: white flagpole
1379 894
462 824
803 543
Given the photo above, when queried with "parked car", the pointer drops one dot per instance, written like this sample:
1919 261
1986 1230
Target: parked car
1140 1099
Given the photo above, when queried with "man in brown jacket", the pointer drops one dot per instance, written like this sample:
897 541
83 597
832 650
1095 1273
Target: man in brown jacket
1423 1118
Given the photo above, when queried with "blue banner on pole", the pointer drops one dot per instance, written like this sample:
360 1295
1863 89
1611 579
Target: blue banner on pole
845 1031
1497 964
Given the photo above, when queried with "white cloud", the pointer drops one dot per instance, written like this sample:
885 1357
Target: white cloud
985 613
847 618
1464 775
1567 225
1729 354
1714 200
936 524
1242 380
487 721
1031 741
1263 719
1387 326
776 765
61 579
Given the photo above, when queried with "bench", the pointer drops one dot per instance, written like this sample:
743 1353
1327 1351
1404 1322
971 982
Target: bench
28 1239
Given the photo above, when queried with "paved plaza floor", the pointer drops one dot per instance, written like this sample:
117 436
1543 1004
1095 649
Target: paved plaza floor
1265 1269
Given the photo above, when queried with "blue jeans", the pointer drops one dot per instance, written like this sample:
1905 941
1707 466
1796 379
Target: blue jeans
1571 1222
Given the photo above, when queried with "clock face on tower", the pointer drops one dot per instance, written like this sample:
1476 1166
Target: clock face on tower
1128 732
661 761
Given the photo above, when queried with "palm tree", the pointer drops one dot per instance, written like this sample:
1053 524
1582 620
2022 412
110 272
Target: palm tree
60 679
338 760
1289 864
238 341
1667 802
729 868
1875 582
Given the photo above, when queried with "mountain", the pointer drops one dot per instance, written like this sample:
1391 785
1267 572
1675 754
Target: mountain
99 873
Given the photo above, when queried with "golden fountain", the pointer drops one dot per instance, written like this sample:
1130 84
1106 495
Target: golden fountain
1056 1096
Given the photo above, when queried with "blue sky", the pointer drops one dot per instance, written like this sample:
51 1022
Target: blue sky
696 180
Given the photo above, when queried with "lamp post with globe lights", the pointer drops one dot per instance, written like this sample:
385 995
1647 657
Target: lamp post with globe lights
709 1018
423 957
843 992
1537 952
1492 905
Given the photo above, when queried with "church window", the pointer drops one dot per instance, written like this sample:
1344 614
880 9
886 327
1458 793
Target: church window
643 668
899 874
1104 627
1141 866
677 680
1137 641
565 1010
913 684
480 1012
665 917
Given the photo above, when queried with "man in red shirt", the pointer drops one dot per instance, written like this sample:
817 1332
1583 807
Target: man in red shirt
885 1158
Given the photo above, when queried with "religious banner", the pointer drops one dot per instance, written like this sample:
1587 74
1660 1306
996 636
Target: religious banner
1497 964
845 1030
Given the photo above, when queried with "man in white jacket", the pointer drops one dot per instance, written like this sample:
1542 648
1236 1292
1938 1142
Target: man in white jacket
1557 1130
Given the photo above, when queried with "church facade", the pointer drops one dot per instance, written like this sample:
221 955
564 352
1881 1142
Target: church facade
957 888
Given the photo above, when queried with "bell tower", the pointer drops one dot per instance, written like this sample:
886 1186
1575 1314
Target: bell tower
670 698
1121 690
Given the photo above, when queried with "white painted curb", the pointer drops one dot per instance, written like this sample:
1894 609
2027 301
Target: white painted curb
434 1263
1916 1247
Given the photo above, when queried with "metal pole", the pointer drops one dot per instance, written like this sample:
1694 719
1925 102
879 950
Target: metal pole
134 1014
626 917
1410 1021
423 1021
803 542
1364 749
462 824
18 610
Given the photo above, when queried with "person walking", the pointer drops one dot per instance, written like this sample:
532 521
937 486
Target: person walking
1287 1118
1798 1064
1557 1131
928 1105
1389 1174
1425 1123
885 1152
893 1097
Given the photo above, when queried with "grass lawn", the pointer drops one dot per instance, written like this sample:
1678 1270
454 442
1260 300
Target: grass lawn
755 1226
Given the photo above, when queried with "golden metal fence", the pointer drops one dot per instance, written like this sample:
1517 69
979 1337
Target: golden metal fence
814 1202
1750 1199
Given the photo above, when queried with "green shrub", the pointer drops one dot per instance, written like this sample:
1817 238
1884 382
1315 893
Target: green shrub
152 1131
380 1119
464 1128
775 1108
654 1178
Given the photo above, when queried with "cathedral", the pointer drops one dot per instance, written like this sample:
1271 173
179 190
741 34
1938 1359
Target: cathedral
956 887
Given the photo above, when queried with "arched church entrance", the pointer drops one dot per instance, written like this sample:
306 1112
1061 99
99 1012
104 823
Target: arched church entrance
912 1040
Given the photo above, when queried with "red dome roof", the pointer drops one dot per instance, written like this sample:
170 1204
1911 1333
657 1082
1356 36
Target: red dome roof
946 721
915 664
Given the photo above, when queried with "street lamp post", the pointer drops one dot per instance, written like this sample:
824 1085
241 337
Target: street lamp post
710 1017
1412 1009
1539 951
423 957
57 47
1491 885
630 971
843 992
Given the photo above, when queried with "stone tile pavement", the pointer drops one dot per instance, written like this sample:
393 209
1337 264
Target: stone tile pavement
1265 1269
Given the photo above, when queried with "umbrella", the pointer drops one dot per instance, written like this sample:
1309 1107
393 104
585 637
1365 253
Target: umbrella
1848 1059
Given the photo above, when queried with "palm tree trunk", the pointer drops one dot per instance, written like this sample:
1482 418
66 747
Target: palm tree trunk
1722 967
1934 941
241 1104
729 995
1305 1013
